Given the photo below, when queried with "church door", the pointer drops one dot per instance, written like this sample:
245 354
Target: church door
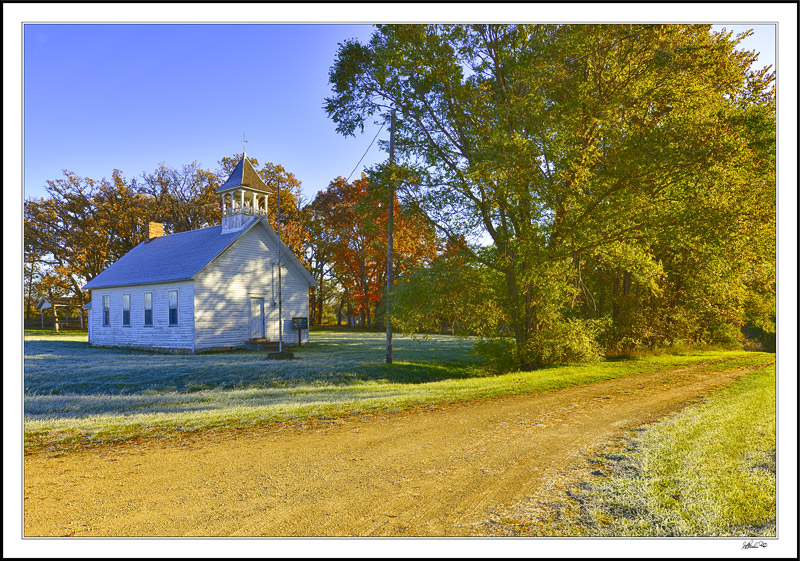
256 318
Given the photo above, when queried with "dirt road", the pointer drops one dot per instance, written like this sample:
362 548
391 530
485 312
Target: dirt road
425 472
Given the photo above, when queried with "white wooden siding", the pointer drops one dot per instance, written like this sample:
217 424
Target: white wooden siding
161 335
224 288
214 308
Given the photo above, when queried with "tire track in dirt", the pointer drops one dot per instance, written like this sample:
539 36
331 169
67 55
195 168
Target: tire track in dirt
423 472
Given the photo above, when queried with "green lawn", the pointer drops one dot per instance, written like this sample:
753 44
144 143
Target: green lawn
74 392
709 470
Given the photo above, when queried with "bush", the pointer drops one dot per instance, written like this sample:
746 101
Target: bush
500 354
563 342
572 340
759 339
725 335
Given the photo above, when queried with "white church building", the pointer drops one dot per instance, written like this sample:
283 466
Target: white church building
207 289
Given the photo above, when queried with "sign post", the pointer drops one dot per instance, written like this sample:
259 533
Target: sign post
300 324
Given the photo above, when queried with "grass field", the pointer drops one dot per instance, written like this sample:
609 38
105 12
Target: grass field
75 393
709 470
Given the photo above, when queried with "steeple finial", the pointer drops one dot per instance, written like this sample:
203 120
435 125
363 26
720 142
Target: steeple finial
244 152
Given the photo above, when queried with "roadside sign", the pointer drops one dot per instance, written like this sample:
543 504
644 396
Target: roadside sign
300 324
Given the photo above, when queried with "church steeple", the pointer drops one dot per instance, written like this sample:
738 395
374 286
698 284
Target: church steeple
244 195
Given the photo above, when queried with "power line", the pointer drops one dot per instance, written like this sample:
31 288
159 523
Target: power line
365 153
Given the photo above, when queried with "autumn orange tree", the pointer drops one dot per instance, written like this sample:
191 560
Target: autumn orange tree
353 221
33 273
83 225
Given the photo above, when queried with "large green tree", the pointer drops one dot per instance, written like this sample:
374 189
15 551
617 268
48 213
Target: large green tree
571 155
451 294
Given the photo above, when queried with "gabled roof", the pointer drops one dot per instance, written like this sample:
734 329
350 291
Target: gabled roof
167 258
286 252
244 175
180 257
46 303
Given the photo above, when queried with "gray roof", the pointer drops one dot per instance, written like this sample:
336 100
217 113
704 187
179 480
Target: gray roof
179 257
167 258
245 175
46 303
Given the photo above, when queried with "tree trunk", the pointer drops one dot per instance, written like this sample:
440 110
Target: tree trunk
312 298
339 313
519 319
320 302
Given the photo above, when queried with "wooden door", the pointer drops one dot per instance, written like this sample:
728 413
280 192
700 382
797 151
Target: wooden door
256 318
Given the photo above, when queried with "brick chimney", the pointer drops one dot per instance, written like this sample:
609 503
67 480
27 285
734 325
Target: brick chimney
155 230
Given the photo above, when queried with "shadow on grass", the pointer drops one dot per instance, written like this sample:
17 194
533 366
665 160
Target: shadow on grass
619 358
67 349
419 373
55 367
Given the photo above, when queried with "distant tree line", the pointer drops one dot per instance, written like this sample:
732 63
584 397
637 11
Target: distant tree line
83 225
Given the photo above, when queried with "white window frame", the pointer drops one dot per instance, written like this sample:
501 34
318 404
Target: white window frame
144 306
170 308
106 310
124 311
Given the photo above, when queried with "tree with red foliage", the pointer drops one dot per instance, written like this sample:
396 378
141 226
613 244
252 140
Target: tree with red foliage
352 218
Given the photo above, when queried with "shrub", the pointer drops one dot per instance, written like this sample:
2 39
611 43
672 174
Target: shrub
562 342
499 354
726 335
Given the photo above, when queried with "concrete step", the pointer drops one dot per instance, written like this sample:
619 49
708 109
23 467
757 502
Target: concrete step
261 344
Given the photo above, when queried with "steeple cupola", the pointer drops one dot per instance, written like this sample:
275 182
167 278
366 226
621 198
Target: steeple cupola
244 195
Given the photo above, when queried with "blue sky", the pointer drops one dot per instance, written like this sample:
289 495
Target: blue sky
99 97
91 116
130 96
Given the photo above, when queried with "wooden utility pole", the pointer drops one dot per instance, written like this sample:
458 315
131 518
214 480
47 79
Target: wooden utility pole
389 227
280 294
